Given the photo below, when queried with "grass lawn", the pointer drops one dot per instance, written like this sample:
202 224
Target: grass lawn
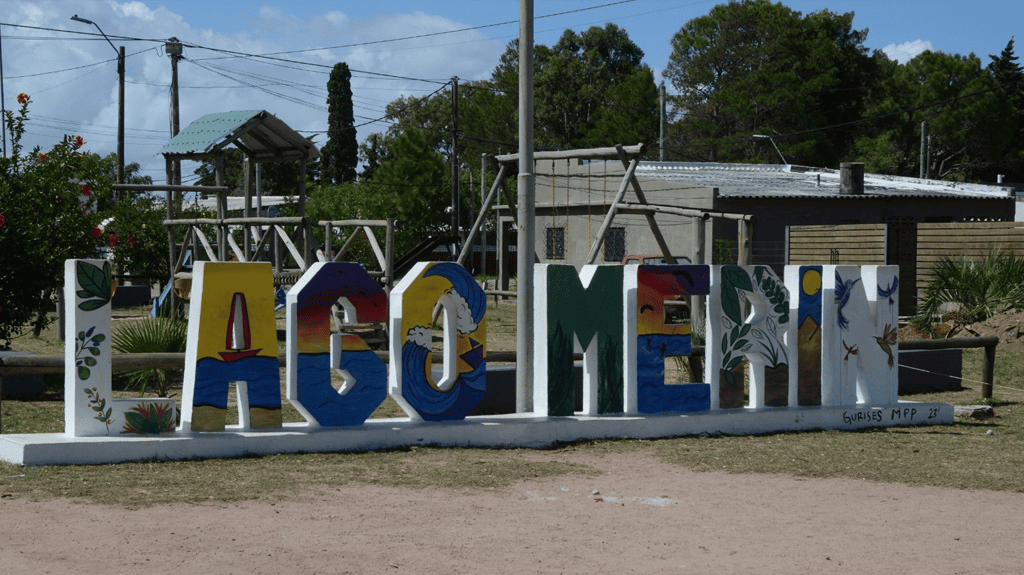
961 456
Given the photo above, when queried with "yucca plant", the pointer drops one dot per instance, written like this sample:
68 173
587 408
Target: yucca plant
150 335
973 291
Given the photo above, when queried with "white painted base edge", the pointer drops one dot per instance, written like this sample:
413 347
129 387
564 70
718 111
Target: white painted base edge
516 430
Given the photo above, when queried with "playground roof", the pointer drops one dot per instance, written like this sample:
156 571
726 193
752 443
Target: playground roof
259 134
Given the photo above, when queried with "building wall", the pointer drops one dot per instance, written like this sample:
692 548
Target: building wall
590 188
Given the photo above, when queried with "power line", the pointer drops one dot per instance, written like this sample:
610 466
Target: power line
457 31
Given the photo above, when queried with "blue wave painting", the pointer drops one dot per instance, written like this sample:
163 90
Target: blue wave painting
431 403
653 394
262 375
325 404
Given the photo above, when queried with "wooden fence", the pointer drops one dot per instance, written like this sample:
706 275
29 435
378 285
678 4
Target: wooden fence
915 247
969 240
856 244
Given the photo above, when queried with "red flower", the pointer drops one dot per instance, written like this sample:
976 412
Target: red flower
96 233
112 240
3 220
86 190
79 141
42 157
22 98
131 239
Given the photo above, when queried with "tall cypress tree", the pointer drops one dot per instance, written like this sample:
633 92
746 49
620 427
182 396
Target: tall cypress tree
340 155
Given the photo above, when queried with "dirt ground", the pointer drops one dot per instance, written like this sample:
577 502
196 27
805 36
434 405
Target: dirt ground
1006 326
637 515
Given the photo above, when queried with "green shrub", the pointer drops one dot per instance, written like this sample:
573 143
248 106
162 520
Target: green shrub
150 335
973 291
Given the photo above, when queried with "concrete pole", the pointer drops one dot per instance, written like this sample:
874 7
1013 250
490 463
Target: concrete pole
661 139
924 149
456 227
525 209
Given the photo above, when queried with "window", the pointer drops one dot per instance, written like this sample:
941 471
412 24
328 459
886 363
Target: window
554 243
615 245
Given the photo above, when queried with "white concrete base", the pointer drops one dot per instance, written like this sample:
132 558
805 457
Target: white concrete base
517 430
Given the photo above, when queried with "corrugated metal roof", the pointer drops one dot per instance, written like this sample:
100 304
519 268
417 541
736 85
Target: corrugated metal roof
258 133
777 181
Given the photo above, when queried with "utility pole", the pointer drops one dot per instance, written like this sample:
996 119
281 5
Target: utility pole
924 149
525 246
173 48
662 114
456 232
3 115
120 97
120 115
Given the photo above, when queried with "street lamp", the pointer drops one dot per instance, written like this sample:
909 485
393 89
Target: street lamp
120 98
769 138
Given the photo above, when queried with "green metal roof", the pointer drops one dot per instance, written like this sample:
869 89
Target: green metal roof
258 133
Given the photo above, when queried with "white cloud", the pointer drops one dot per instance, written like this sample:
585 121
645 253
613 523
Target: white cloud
81 98
906 51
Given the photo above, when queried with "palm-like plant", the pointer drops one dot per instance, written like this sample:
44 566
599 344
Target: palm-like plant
150 335
973 291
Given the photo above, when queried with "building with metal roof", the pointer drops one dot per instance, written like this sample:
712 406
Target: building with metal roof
717 201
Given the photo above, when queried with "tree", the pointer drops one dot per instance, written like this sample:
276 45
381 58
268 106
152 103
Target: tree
591 74
50 204
411 184
753 67
416 177
138 237
372 152
1010 77
967 119
340 155
355 200
591 88
132 171
278 178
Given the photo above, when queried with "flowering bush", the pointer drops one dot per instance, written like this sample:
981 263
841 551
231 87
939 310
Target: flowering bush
44 219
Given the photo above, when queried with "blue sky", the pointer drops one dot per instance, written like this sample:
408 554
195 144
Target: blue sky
73 82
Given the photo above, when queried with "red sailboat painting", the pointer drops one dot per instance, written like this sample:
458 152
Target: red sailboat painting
238 338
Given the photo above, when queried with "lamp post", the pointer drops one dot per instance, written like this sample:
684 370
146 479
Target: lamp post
769 138
120 98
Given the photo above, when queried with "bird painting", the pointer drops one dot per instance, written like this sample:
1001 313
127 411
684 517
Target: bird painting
887 341
850 350
843 291
889 291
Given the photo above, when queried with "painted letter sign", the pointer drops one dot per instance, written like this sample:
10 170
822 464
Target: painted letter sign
822 337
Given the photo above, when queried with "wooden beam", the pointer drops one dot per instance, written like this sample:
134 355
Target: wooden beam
599 239
584 154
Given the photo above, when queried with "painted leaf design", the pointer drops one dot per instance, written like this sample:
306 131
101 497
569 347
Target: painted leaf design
96 283
83 372
93 280
91 304
734 280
